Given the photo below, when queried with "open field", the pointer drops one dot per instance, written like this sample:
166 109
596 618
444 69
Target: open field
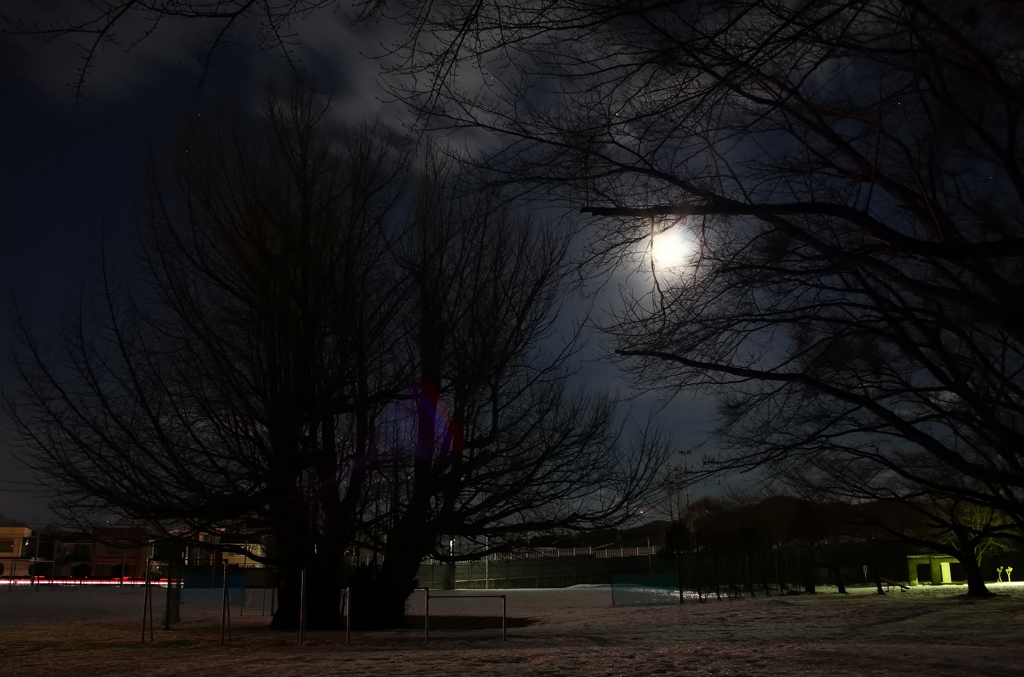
574 631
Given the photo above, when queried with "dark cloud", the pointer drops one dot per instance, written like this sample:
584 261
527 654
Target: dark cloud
70 167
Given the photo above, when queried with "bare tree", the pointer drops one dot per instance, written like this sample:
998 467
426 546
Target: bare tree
969 533
231 386
311 357
849 173
494 446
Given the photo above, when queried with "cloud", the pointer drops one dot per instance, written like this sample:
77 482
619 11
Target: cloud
122 59
139 49
324 46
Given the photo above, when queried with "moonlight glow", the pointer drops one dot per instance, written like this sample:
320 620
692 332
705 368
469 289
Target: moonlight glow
671 249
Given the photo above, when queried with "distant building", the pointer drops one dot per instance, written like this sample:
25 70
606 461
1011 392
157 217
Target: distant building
212 550
931 568
72 556
116 552
120 552
17 549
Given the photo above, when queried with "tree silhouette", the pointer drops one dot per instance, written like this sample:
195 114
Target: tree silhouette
849 174
210 392
310 358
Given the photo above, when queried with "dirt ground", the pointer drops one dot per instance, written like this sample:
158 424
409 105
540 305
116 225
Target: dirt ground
79 632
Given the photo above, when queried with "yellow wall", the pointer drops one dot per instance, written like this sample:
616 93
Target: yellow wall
17 535
235 559
938 565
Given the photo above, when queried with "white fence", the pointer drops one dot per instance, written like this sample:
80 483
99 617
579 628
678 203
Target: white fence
602 553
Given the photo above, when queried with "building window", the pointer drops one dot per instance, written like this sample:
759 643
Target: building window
76 552
6 545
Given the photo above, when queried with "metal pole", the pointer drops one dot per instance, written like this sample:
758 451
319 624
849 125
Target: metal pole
224 610
348 616
679 567
149 595
35 556
167 610
426 614
503 608
145 602
124 556
227 599
302 608
178 583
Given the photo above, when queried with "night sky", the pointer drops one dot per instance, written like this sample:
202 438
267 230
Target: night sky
70 166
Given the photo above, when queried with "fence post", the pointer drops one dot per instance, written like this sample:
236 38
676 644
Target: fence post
302 608
150 600
167 602
348 609
426 614
225 611
679 570
503 605
145 605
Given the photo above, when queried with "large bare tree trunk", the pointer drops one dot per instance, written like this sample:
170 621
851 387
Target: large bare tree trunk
975 582
379 594
323 597
838 575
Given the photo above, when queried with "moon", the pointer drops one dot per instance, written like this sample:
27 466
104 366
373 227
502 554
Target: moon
671 249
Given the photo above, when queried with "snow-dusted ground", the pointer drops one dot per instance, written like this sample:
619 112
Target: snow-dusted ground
927 631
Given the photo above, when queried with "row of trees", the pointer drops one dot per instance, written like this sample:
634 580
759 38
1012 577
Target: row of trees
328 346
836 535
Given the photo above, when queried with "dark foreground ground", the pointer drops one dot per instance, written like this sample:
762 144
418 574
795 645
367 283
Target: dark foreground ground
928 631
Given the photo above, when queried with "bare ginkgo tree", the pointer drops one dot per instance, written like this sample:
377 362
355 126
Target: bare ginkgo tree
230 384
319 358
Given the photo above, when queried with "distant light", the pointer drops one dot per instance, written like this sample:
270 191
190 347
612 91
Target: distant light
76 582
